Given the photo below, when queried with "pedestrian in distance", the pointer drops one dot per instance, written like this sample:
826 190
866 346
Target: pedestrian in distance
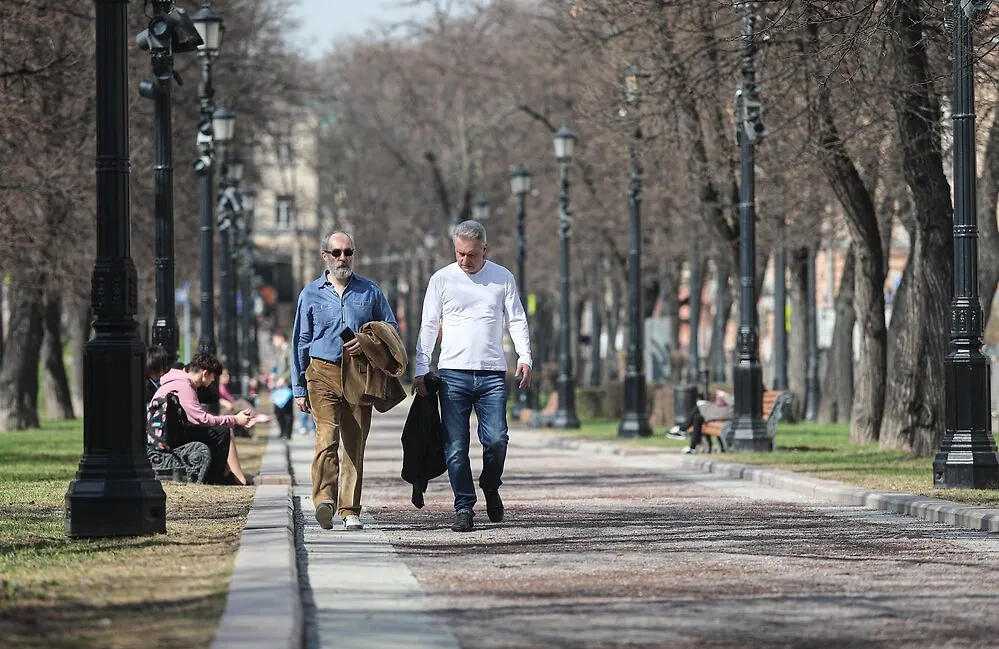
343 321
281 393
467 302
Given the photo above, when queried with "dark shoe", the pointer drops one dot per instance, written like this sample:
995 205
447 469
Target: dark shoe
462 522
494 506
324 514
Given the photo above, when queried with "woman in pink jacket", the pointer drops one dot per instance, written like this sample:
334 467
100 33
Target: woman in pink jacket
203 426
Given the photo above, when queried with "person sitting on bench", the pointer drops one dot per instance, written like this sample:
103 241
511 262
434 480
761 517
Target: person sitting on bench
202 426
719 409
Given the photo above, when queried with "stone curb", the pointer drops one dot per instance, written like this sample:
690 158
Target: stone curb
934 510
264 607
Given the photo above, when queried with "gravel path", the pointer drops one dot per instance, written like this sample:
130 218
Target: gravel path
602 550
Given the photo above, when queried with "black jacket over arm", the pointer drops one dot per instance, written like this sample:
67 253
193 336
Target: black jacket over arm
423 441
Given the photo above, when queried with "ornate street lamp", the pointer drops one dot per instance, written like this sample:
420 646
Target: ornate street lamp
634 420
245 265
480 208
228 214
211 27
520 186
170 31
115 492
749 431
565 415
967 455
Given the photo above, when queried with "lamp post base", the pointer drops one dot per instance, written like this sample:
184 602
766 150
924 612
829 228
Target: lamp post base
749 431
634 422
99 507
967 455
564 419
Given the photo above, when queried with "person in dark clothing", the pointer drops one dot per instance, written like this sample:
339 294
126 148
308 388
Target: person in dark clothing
158 362
281 378
423 441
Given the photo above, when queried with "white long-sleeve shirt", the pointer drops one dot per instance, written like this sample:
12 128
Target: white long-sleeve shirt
471 310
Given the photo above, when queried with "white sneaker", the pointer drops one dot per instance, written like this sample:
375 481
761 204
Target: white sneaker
687 450
352 522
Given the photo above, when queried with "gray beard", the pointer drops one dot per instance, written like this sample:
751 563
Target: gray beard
341 273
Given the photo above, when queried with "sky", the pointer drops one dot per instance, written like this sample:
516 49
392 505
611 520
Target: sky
325 20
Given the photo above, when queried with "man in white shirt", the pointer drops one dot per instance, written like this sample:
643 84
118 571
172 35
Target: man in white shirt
470 301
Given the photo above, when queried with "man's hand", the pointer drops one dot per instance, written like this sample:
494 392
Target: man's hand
420 386
245 418
303 404
524 372
352 347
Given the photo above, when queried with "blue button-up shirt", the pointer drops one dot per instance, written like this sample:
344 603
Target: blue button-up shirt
322 315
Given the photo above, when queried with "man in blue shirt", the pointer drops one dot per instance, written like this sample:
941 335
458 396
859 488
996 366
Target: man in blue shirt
327 308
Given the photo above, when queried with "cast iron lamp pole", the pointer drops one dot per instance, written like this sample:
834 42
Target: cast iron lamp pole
565 415
812 394
749 432
634 420
232 209
211 27
520 186
248 199
480 208
780 307
967 455
115 492
169 31
224 125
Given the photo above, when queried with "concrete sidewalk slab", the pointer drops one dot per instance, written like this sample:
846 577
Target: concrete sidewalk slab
356 591
263 610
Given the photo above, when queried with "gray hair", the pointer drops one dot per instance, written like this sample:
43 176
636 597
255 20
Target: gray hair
471 230
326 240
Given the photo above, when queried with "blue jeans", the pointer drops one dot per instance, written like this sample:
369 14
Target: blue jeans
485 391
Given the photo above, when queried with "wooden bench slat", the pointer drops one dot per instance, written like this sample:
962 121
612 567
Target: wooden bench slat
714 427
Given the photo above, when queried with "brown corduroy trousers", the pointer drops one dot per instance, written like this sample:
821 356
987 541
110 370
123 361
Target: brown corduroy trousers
334 479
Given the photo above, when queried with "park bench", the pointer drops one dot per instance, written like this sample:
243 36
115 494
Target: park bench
773 409
186 463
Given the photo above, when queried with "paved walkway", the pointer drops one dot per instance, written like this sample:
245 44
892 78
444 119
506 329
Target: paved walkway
604 549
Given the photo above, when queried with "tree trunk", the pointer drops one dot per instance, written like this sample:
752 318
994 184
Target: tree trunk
868 290
58 400
19 374
719 321
613 314
837 401
988 232
797 337
917 340
79 335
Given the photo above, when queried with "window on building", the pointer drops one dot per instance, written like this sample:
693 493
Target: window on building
285 216
285 153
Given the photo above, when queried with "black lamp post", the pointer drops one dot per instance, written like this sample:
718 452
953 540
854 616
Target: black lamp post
480 208
231 210
565 415
634 420
780 307
211 27
224 125
967 456
115 492
170 30
749 432
520 186
246 269
812 394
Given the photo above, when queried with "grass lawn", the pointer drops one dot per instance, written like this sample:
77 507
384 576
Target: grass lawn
823 451
164 591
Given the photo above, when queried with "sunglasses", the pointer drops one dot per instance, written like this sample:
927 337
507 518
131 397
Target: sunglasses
347 252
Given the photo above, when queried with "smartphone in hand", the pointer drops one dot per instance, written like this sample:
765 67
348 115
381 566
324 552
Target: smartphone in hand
347 335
